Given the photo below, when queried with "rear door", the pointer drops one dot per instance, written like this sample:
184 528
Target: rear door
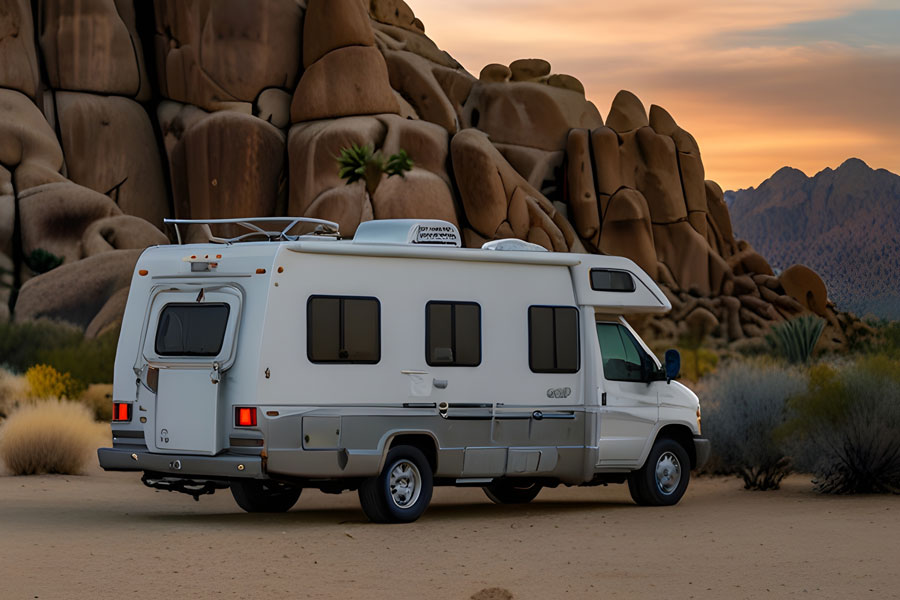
188 347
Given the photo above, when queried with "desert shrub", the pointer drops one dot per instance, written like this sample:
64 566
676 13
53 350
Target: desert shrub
60 345
98 398
40 261
12 390
847 427
744 405
46 382
796 339
50 436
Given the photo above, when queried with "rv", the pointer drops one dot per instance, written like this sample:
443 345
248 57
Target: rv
390 363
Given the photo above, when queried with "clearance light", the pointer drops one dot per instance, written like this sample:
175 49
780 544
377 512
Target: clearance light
245 417
121 412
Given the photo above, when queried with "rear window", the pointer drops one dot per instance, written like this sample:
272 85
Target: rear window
191 329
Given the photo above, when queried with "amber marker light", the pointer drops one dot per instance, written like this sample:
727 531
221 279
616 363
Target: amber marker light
260 271
121 412
143 272
244 416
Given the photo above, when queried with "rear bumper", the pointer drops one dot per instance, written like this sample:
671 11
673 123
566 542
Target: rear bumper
702 450
224 466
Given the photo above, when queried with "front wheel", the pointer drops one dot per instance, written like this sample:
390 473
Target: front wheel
402 491
664 478
265 496
511 492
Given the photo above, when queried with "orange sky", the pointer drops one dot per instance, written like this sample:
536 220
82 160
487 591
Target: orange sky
761 85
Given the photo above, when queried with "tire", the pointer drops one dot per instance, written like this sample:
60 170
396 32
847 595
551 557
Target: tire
664 478
402 491
264 496
512 492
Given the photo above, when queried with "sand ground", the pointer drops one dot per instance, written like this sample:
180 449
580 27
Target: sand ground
105 535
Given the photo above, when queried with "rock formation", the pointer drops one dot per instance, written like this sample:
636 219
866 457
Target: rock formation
115 114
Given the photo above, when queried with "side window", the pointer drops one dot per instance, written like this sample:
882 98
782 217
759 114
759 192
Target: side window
452 334
553 344
343 329
622 356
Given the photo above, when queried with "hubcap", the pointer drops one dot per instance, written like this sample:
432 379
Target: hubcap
668 473
405 482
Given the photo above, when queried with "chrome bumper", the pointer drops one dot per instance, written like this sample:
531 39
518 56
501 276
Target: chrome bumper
224 466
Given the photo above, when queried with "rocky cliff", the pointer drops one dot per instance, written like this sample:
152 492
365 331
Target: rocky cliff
115 114
844 223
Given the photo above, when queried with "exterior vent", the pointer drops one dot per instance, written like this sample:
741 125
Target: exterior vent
513 244
408 232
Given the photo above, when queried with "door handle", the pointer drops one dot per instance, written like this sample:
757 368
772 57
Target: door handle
413 372
440 384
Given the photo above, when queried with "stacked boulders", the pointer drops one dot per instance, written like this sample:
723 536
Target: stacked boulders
240 109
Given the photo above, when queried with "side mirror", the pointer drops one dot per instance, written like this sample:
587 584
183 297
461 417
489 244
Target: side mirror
673 364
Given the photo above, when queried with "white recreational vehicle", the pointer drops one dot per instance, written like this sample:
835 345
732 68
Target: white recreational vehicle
391 363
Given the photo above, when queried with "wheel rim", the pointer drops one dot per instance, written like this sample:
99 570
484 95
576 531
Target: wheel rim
405 483
668 473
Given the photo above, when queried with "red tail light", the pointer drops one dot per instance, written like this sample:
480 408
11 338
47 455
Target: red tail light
245 417
121 411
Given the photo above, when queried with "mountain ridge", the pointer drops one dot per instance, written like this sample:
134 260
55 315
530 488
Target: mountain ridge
844 223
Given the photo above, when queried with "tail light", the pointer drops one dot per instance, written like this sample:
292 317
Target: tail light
245 416
121 412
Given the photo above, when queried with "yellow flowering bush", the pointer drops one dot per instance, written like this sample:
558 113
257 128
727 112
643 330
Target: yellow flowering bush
46 382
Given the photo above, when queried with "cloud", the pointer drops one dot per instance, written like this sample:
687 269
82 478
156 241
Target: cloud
806 83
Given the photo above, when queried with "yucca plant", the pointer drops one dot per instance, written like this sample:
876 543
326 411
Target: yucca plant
796 339
363 163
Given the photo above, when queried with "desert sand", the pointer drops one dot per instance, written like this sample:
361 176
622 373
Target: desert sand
105 535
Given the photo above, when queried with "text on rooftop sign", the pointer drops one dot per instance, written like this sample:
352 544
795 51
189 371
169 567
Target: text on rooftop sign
436 234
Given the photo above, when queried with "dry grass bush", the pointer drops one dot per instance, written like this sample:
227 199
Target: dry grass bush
744 405
50 436
847 427
13 390
98 398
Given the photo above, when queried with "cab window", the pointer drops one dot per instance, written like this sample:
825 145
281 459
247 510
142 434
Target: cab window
623 357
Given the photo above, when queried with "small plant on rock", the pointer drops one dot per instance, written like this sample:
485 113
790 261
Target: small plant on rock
40 261
361 163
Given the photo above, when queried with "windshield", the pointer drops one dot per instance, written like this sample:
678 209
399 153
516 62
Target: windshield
191 329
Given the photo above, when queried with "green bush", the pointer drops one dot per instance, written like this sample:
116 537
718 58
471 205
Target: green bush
60 345
40 261
847 427
744 405
796 339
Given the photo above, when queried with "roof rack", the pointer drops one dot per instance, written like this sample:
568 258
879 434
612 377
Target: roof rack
323 228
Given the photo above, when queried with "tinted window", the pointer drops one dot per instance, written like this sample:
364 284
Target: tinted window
606 280
343 329
622 356
553 339
191 329
453 334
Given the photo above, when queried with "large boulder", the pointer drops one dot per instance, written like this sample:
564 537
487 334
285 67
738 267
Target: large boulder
88 46
19 68
213 54
27 143
76 292
54 217
229 165
110 147
121 232
333 24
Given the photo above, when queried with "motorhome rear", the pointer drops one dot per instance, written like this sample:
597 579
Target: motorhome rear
391 363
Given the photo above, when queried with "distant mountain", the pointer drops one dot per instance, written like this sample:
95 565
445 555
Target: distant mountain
843 223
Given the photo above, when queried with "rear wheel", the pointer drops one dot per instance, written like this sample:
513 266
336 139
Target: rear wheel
402 492
512 492
664 478
265 496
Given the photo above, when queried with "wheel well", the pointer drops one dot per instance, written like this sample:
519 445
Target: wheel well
423 442
684 436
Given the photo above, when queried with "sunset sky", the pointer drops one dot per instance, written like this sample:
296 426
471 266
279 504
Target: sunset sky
761 85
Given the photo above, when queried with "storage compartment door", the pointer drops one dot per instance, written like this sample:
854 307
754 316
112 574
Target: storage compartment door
187 411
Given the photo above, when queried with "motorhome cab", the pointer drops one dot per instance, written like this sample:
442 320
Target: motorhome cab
391 363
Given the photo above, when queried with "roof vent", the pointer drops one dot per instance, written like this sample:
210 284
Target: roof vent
416 232
512 244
